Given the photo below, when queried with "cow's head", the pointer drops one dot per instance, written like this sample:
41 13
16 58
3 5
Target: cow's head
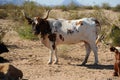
3 48
38 24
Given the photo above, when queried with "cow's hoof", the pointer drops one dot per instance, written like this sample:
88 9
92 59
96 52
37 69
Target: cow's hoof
56 62
95 64
49 62
83 64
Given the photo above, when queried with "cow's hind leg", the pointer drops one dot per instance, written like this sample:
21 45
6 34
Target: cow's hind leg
95 51
88 50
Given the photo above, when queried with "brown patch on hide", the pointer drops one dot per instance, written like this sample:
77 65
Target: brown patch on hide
69 31
79 23
61 37
52 37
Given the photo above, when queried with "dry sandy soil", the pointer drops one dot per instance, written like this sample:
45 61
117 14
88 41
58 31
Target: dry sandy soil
31 57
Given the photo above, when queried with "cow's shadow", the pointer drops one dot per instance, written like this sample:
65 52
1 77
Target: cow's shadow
3 60
99 66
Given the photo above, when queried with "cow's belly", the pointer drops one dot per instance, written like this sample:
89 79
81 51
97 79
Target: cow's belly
70 39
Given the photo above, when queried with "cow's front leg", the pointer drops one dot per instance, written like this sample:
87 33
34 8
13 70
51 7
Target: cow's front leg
50 58
56 57
53 51
52 40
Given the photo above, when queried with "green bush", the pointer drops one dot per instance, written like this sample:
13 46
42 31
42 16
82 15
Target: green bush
100 15
3 14
25 32
115 35
72 6
62 7
96 7
87 7
116 8
106 6
33 9
76 15
13 12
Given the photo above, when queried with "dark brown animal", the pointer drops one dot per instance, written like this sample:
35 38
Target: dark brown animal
10 72
3 48
117 60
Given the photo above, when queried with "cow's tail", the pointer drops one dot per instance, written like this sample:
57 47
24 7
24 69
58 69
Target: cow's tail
98 25
99 39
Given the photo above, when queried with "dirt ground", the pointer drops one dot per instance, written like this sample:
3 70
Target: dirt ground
31 57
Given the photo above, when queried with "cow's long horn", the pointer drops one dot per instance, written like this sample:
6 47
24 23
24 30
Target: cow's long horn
47 14
24 14
26 17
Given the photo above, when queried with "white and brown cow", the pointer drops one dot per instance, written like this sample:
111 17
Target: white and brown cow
54 32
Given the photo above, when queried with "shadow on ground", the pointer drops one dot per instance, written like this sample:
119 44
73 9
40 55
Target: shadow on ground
3 60
99 66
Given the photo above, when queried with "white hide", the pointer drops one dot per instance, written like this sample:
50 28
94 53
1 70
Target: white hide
86 32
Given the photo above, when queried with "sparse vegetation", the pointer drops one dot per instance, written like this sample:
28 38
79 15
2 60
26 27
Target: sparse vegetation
35 54
25 32
3 14
71 11
116 8
106 6
115 35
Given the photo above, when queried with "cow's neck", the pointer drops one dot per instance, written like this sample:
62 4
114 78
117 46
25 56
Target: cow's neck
45 29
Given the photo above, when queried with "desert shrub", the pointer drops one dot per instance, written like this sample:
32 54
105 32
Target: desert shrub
13 12
10 11
46 8
106 6
73 15
87 7
116 8
62 7
72 6
33 9
100 15
77 15
25 32
96 7
9 6
3 14
115 35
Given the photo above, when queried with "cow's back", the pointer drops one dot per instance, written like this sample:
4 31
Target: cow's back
73 32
